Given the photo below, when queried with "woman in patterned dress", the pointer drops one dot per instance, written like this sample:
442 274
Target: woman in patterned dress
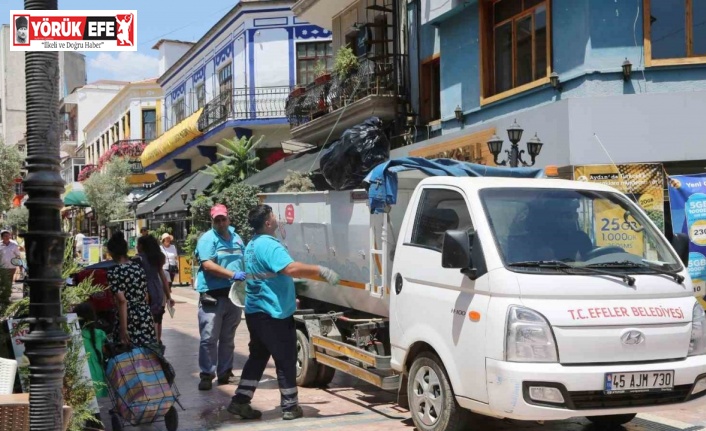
128 282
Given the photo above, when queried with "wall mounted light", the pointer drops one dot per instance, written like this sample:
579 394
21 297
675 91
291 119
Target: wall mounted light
458 112
554 80
627 70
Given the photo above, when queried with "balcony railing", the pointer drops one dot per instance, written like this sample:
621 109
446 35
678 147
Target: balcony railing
245 104
370 78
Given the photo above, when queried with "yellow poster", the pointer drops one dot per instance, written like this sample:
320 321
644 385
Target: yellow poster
642 182
184 270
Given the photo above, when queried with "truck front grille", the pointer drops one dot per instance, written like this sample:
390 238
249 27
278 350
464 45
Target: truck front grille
588 400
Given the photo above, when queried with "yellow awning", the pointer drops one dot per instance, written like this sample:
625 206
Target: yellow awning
172 139
142 179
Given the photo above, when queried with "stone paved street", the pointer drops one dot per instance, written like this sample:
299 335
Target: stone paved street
347 404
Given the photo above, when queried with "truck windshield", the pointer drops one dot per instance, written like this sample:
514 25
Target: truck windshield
583 228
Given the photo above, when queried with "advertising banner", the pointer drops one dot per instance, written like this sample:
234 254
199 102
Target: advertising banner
643 182
687 199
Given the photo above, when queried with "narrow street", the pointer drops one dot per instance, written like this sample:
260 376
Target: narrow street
347 404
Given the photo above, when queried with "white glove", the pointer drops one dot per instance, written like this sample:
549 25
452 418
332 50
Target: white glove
329 275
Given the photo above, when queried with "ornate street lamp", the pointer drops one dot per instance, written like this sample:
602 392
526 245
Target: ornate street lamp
627 70
45 344
514 133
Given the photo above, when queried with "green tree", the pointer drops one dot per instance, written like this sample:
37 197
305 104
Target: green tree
240 198
106 191
10 166
239 162
17 218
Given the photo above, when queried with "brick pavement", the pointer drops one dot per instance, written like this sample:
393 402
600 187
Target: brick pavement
347 404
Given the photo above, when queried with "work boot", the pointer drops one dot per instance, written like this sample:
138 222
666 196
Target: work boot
293 413
206 383
228 379
245 411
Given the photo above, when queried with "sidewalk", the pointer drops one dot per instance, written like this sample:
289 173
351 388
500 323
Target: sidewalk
347 404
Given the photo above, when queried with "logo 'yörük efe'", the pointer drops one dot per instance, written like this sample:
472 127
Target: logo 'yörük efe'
75 30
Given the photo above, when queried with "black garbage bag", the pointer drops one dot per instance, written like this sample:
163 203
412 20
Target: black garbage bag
347 161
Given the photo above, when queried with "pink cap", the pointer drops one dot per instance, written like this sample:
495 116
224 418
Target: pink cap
219 210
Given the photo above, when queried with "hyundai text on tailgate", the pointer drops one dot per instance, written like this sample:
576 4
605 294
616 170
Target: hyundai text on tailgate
531 299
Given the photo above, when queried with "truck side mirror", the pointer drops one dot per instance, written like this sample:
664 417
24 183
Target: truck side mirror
456 251
680 242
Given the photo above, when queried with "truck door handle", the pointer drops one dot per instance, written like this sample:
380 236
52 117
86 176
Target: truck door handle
398 283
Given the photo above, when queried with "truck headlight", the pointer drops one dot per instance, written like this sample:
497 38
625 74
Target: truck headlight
697 343
529 338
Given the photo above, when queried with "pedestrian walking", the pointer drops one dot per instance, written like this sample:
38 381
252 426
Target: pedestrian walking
270 302
128 282
171 254
151 258
9 250
220 255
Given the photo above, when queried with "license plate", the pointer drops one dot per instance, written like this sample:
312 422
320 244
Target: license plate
646 381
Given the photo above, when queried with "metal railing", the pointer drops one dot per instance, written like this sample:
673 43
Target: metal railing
245 104
372 77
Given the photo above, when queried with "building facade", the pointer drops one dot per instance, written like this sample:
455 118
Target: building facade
233 82
597 82
72 74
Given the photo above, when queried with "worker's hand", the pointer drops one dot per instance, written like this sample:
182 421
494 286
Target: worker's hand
125 339
238 276
329 275
172 302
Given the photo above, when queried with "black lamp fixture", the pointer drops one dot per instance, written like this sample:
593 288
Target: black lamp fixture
458 112
514 133
184 196
627 70
555 81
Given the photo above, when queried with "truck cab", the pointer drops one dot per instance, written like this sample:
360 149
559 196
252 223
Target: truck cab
539 299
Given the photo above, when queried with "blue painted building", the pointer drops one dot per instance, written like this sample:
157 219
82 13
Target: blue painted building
557 68
233 82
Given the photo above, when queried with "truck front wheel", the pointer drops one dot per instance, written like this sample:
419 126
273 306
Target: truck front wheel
431 399
307 368
611 421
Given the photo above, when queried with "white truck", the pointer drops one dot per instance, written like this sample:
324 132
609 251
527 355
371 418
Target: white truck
529 299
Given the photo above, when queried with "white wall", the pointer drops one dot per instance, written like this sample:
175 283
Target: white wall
12 90
169 53
91 100
271 53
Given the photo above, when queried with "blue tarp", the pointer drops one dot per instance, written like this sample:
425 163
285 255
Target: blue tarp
383 178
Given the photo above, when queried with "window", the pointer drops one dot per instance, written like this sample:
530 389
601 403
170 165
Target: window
149 124
431 91
179 110
515 44
200 95
308 54
675 32
439 210
225 88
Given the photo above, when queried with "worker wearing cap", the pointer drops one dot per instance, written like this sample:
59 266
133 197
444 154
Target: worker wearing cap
8 250
270 302
220 255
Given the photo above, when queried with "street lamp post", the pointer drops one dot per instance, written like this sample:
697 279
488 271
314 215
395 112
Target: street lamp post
45 344
514 154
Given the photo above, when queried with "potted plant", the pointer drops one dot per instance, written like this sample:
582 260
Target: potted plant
321 75
298 90
345 62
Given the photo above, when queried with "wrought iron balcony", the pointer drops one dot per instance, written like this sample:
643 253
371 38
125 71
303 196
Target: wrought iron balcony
371 78
245 104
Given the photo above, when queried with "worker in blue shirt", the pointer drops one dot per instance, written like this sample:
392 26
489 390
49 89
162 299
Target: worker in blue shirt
270 303
220 254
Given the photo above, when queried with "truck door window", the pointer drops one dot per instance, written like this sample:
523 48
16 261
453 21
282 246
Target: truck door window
439 210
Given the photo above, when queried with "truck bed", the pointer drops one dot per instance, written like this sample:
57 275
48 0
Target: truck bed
333 229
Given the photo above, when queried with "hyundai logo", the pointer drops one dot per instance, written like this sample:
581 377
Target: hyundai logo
632 338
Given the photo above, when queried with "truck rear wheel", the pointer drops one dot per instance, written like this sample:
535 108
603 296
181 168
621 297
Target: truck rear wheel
325 375
307 368
611 421
431 398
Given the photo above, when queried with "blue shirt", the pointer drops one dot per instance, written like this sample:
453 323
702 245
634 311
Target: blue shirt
228 254
267 291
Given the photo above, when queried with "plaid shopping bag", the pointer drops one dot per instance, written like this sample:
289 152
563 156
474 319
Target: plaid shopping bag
142 392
